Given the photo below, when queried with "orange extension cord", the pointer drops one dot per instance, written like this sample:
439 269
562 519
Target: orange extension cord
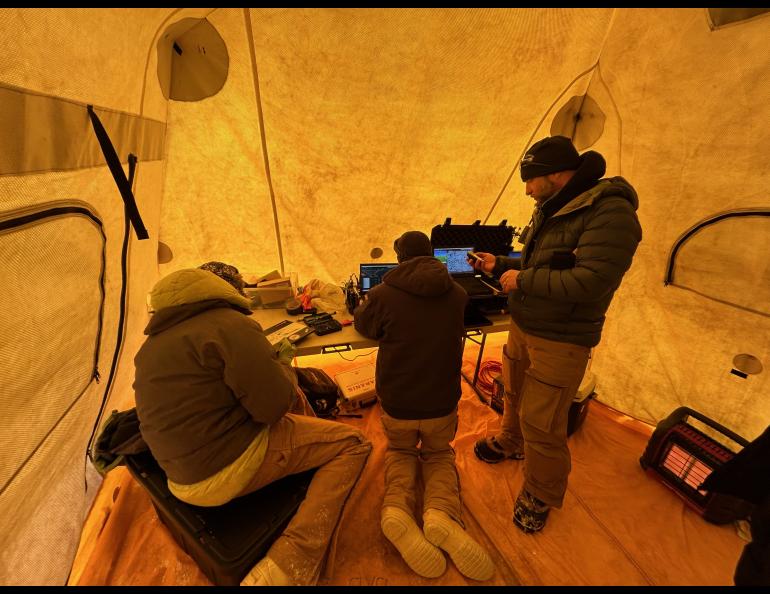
487 372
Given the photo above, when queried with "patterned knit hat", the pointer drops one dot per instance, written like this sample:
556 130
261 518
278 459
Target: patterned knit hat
226 272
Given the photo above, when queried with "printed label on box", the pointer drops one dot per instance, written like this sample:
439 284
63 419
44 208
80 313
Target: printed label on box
357 386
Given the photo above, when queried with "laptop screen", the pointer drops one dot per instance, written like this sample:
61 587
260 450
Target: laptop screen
371 275
455 258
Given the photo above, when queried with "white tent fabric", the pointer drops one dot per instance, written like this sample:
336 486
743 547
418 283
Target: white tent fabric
335 131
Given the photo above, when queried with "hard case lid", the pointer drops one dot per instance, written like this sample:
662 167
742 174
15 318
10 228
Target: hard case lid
493 239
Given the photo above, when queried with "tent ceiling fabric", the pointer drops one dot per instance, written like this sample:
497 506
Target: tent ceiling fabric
376 121
85 55
336 130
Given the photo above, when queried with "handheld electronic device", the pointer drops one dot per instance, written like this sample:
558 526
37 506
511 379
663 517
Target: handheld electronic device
488 279
475 256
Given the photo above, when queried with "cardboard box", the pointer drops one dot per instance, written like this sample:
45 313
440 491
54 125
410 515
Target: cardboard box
357 387
255 279
283 281
269 297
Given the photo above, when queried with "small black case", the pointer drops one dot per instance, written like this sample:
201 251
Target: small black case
228 540
327 327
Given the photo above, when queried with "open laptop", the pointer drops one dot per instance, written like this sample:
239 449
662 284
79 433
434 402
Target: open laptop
456 261
370 275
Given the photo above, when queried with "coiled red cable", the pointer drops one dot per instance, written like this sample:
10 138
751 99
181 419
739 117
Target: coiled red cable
487 372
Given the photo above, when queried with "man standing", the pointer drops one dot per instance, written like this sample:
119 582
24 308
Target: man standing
580 242
416 314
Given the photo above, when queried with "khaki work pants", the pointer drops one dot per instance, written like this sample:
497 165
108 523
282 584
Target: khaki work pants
436 458
541 379
298 443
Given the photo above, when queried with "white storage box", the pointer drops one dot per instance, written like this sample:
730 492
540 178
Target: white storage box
270 296
357 387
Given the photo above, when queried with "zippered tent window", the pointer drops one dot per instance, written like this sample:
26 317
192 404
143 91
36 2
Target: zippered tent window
713 258
52 266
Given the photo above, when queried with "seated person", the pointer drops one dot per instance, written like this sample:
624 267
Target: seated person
212 398
416 314
285 348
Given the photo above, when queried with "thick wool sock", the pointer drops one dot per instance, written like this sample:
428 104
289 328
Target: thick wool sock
266 573
467 555
420 555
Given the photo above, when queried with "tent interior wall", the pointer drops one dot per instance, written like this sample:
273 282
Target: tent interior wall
330 133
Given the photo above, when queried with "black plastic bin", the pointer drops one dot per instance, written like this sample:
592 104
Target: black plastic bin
225 541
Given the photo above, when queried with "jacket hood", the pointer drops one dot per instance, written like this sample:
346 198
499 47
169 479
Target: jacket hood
586 186
613 186
592 168
185 293
424 276
620 187
171 316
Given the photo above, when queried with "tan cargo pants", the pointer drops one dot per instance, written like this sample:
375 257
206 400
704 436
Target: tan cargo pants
541 379
436 458
298 443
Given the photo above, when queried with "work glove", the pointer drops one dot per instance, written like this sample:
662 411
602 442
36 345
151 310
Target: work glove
286 351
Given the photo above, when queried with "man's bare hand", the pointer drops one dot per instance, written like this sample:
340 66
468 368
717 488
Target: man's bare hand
508 280
486 264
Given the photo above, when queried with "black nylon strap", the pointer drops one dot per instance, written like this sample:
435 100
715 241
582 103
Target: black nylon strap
118 174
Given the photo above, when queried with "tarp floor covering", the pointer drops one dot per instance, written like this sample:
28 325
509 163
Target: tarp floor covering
618 526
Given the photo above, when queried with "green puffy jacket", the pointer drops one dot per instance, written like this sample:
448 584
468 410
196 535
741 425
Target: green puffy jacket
572 263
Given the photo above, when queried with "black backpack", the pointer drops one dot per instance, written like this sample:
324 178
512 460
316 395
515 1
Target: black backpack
321 391
119 437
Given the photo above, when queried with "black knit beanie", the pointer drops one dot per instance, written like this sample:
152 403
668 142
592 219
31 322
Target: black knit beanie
412 244
549 155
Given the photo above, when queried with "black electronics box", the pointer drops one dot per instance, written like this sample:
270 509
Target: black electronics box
228 540
681 456
493 239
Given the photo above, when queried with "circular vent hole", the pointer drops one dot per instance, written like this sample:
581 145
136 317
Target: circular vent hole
748 364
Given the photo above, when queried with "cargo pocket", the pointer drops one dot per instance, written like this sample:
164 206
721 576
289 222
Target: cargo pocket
539 403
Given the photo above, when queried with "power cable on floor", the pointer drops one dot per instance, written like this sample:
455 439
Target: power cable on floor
487 372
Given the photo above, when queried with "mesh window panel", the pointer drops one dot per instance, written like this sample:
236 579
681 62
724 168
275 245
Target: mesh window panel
728 261
49 315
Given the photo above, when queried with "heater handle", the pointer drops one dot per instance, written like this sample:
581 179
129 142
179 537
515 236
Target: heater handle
683 412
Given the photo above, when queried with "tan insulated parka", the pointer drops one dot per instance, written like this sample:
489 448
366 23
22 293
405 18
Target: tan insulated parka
207 380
